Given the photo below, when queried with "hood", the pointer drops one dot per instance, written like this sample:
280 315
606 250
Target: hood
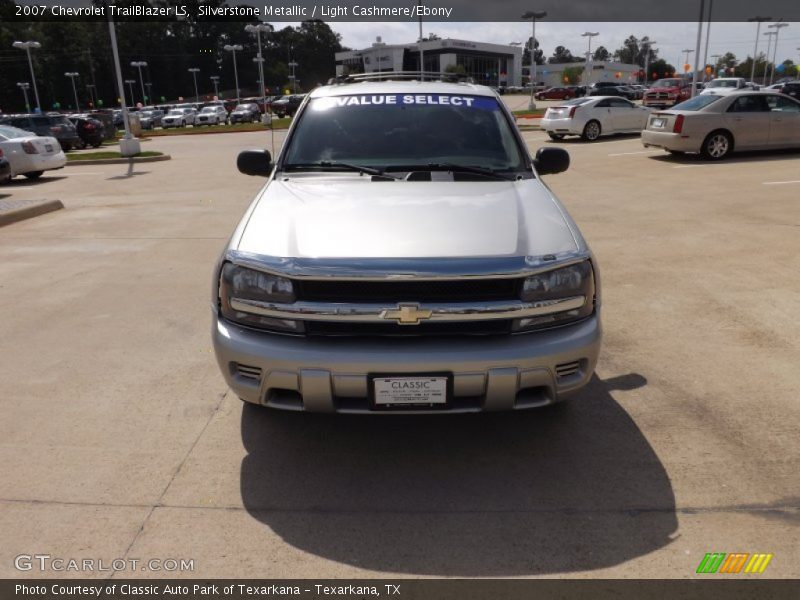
349 216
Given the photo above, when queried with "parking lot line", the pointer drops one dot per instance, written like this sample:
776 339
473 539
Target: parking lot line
83 173
781 182
640 152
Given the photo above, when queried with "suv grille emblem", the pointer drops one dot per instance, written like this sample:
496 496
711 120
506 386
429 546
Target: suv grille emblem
407 314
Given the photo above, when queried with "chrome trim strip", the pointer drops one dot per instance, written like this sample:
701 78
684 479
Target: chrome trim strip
419 269
377 313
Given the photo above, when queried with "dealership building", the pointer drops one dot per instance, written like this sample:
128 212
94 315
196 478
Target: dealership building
553 74
488 64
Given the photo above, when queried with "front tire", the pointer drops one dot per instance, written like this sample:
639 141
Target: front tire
591 131
556 136
717 145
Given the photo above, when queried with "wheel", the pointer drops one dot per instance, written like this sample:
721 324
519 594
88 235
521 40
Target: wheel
556 136
97 145
717 145
34 174
591 131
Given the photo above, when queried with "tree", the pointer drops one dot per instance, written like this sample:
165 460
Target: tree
561 55
601 54
659 69
635 51
572 75
431 37
538 53
744 68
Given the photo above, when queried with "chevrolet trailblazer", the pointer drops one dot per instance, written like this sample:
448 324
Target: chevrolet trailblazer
404 255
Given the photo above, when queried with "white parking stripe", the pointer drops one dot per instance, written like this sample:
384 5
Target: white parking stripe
781 182
71 174
640 152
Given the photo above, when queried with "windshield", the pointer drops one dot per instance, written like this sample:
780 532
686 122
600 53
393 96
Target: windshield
209 109
176 113
667 83
697 102
395 130
243 107
11 133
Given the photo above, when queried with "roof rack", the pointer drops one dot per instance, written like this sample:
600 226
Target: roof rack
402 76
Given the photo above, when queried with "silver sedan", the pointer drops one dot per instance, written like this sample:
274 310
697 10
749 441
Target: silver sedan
715 126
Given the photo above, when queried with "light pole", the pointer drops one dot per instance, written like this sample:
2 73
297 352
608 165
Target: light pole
91 89
697 48
688 51
194 71
139 64
589 62
233 48
533 15
149 98
27 47
648 45
128 146
715 58
294 64
777 27
215 81
708 35
759 21
130 83
25 86
258 29
770 35
72 75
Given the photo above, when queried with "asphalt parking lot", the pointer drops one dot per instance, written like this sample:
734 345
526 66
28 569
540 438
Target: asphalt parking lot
119 438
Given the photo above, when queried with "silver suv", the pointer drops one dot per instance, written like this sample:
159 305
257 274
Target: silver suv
405 256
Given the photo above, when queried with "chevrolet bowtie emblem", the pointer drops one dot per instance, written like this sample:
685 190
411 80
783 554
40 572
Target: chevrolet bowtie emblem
407 314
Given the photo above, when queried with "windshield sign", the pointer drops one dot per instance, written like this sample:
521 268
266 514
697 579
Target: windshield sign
396 130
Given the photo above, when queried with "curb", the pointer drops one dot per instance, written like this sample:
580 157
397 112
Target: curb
7 217
119 161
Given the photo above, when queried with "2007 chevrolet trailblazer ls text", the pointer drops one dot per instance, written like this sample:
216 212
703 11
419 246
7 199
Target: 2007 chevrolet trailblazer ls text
404 256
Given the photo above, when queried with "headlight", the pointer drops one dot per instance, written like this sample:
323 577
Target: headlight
242 283
568 282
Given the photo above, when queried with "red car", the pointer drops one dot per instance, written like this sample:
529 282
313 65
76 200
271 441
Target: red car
556 93
667 92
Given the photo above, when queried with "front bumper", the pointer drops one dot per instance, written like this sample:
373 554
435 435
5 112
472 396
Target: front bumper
329 374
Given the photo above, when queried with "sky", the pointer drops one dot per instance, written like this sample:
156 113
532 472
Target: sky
672 38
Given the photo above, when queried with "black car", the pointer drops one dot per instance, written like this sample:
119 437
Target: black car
57 126
150 119
90 130
791 88
615 90
288 105
245 113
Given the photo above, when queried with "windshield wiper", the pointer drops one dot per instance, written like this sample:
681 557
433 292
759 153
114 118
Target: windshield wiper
327 164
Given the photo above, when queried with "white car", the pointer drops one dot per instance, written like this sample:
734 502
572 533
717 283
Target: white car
722 86
212 115
179 117
594 116
29 154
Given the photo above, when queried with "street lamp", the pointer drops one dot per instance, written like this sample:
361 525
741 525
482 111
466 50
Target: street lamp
258 29
758 20
25 86
27 47
139 64
777 27
533 15
72 75
770 35
688 51
215 81
90 87
194 71
589 62
129 145
149 97
233 48
294 64
648 45
130 83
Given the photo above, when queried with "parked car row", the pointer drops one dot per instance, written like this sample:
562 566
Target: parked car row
713 124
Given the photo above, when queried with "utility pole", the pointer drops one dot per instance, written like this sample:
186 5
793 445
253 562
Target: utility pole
777 27
130 83
215 81
759 21
25 86
194 71
139 64
72 75
533 15
589 61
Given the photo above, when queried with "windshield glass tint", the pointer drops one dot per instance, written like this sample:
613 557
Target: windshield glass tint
385 130
722 84
697 102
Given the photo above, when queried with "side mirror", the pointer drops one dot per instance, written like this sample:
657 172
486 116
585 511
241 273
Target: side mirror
255 162
549 161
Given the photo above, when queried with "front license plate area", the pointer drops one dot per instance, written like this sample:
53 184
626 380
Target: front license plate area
410 391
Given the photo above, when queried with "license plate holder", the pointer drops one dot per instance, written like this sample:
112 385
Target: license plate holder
431 391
